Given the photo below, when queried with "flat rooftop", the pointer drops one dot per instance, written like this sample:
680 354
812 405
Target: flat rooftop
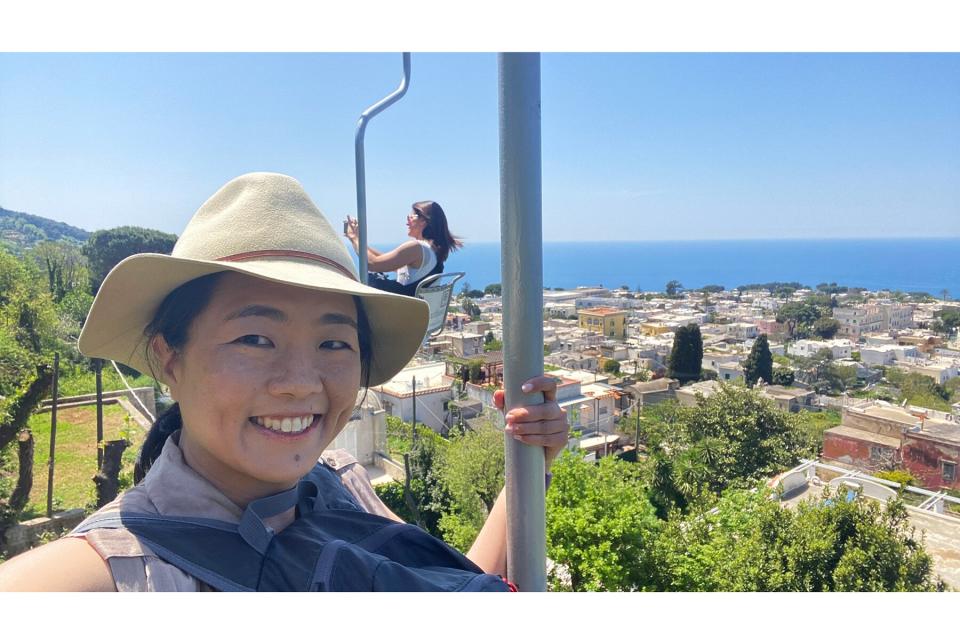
866 436
945 431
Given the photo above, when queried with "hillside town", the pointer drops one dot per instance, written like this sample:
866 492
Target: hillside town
610 351
883 372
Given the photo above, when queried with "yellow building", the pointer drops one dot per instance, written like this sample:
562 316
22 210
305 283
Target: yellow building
654 328
604 320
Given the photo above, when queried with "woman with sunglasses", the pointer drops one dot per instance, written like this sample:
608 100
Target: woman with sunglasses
415 259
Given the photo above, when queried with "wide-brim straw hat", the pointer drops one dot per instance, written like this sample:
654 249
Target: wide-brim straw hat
262 225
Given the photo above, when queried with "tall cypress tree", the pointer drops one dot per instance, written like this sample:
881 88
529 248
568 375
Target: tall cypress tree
686 357
759 364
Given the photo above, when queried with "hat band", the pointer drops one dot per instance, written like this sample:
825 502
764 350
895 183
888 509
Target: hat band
280 253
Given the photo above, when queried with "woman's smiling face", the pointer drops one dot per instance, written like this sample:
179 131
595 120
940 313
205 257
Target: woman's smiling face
268 378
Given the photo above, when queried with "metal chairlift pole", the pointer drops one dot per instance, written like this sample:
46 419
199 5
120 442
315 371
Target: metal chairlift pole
365 117
521 241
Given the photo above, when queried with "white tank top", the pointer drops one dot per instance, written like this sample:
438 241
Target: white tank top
405 275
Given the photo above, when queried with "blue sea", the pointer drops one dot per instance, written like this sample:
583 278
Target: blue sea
913 264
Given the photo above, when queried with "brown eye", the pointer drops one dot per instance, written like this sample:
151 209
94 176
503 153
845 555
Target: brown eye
335 345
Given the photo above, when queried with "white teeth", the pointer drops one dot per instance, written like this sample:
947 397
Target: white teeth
285 425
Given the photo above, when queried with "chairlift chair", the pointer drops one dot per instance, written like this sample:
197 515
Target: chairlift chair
436 291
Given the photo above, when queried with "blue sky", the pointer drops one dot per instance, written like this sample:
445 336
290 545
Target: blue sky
635 146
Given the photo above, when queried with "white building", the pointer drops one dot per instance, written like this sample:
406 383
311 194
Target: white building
838 348
740 330
855 321
434 392
886 354
466 344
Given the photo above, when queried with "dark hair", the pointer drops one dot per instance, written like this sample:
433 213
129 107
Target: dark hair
172 321
436 230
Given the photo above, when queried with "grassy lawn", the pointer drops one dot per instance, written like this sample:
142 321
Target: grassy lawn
814 423
76 455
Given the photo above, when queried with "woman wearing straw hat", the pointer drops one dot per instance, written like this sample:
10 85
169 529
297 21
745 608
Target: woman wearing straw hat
259 326
415 259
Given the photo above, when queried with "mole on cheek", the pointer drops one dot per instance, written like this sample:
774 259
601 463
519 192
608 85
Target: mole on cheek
296 457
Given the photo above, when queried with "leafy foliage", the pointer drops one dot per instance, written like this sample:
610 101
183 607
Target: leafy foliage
918 389
831 287
759 364
493 289
686 356
902 476
733 438
471 470
783 376
947 320
27 321
600 526
779 289
470 308
429 496
826 328
748 542
64 266
799 317
105 248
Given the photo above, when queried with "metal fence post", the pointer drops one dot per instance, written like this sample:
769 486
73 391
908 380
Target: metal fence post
521 240
53 434
99 371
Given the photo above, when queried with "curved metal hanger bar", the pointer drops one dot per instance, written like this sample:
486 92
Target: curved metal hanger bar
365 117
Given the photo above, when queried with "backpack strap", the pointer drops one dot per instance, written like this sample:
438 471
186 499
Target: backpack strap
210 550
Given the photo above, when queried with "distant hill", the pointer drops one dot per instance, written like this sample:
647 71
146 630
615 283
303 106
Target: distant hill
21 231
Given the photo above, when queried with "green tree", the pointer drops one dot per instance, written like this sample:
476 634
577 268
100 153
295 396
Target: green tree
493 345
759 364
493 289
64 265
825 327
470 308
946 320
471 469
27 321
427 500
475 368
686 356
105 248
600 525
612 367
918 389
783 376
748 542
673 287
734 437
799 317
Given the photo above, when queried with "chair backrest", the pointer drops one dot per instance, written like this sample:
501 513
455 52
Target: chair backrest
437 290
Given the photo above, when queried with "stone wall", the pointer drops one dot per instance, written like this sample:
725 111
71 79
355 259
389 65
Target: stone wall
23 536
